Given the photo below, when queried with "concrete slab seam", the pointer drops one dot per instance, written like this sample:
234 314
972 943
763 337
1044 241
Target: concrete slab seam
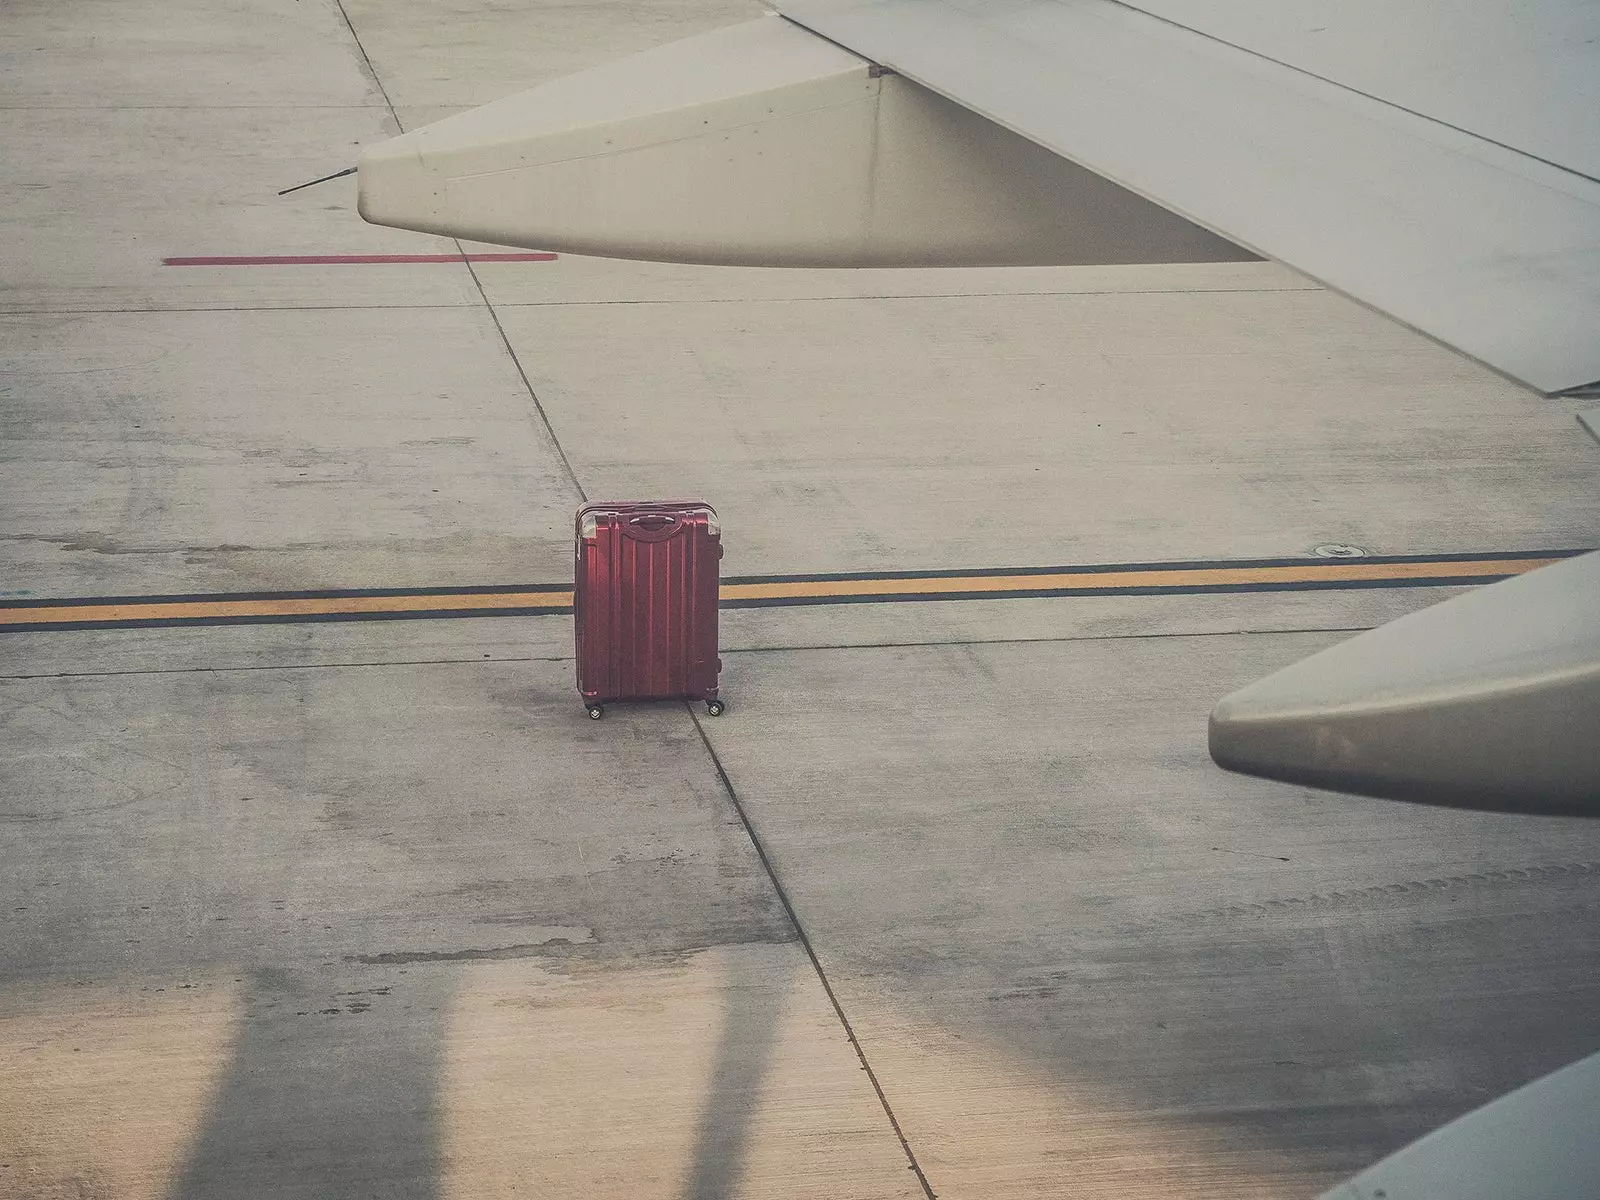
811 953
538 407
1064 292
485 661
366 62
544 418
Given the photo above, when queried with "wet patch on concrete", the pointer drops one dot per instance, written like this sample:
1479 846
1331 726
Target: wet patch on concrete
572 937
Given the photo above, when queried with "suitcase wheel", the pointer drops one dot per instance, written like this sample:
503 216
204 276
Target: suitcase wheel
716 707
596 712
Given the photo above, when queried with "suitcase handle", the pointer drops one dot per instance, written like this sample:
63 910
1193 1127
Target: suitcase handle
654 527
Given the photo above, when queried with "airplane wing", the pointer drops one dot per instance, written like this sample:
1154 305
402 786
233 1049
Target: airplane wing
1536 1143
1438 160
1489 700
761 145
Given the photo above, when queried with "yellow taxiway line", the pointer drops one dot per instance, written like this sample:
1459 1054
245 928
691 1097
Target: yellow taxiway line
20 614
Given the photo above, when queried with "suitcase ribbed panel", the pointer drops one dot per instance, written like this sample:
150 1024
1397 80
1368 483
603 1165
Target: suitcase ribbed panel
646 605
650 616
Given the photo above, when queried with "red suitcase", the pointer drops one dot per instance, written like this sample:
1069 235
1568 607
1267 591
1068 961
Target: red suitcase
644 602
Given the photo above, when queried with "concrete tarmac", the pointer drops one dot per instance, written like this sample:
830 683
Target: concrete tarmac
950 902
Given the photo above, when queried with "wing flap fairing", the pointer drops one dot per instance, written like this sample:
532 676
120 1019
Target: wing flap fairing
1489 700
761 145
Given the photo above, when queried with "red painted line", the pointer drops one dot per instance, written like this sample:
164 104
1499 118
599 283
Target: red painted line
318 260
